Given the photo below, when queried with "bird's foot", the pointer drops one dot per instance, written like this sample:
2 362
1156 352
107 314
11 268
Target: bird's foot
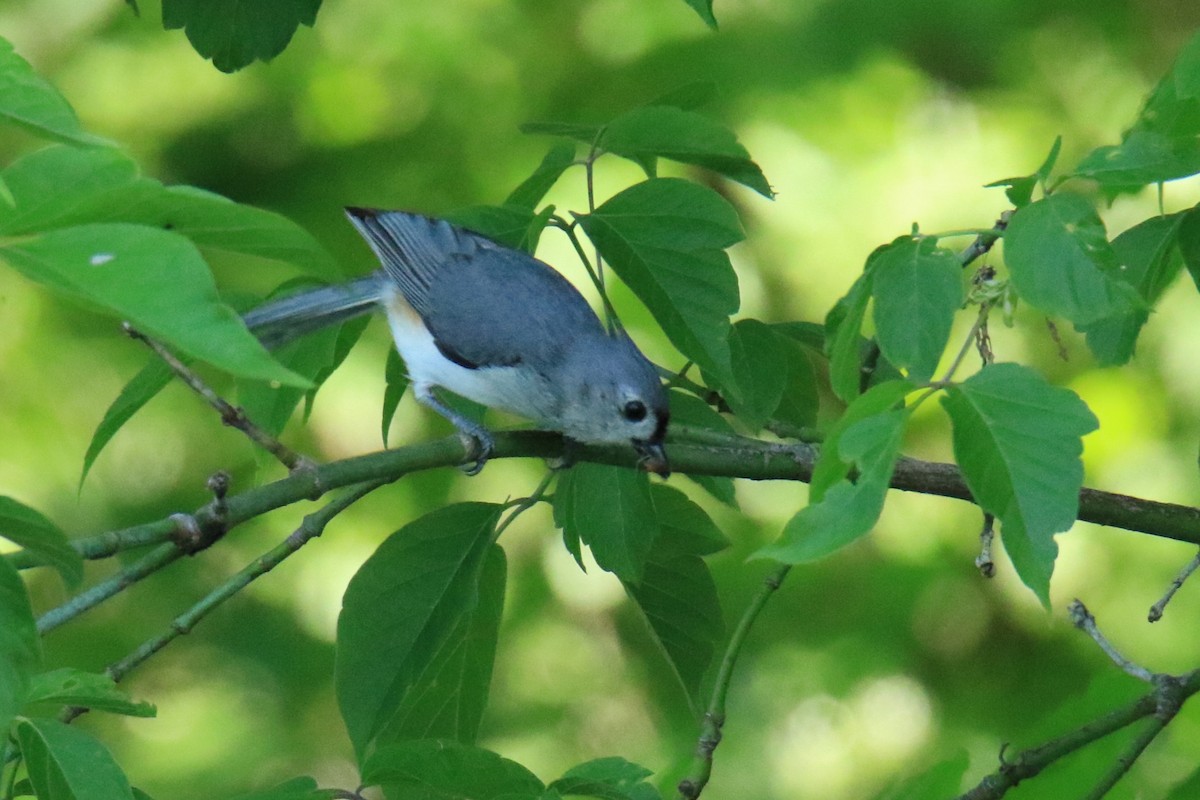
479 446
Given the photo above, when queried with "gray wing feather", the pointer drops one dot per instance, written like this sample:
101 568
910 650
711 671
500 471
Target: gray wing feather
485 304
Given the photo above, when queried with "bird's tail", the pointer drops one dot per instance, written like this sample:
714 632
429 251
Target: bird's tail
281 321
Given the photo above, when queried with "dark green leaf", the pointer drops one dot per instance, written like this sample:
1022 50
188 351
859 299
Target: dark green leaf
677 593
843 337
1061 261
666 131
609 509
1189 243
295 789
401 607
758 359
610 778
513 226
1020 190
1018 442
158 281
704 9
534 188
395 376
664 238
845 510
917 288
30 529
688 97
449 696
29 101
1187 789
73 687
1144 157
66 763
141 389
1149 263
233 33
431 769
570 130
940 780
801 396
20 648
807 334
689 411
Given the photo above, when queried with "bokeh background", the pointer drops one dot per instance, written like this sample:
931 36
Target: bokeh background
866 117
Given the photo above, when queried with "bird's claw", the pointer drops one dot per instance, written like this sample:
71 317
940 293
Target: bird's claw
479 448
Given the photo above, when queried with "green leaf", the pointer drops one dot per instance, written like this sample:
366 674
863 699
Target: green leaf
233 33
29 101
666 131
74 687
664 238
141 389
295 789
610 509
801 395
158 281
448 698
843 337
400 609
1018 441
1143 157
677 593
1150 262
756 354
30 529
1020 190
513 226
20 648
1187 789
67 763
1061 261
1189 243
704 9
689 411
847 509
916 288
940 780
395 376
611 778
431 769
534 188
688 96
570 130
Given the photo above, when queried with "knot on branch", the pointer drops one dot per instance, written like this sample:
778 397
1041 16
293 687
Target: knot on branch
194 533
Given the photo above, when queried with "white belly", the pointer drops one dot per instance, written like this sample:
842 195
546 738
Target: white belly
512 389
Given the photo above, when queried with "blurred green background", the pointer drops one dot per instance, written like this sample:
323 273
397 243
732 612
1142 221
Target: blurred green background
866 117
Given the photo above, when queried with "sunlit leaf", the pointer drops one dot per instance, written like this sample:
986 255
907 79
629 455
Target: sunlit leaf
400 609
843 326
155 279
74 687
610 778
1061 262
704 9
1018 441
665 239
141 389
233 33
30 529
667 131
29 101
917 288
66 763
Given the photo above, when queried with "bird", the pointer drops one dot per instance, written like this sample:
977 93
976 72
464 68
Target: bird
491 324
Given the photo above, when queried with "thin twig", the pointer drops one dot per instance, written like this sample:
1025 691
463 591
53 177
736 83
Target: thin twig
231 415
985 240
983 561
698 774
1156 610
1083 619
525 504
311 527
1153 727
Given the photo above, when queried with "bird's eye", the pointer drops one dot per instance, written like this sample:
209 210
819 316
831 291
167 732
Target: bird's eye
634 411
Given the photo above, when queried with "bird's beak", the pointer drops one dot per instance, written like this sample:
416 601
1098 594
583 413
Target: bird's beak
653 457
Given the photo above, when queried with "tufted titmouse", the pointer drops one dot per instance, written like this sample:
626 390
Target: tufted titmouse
494 325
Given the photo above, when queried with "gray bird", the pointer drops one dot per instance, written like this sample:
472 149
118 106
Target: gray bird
494 325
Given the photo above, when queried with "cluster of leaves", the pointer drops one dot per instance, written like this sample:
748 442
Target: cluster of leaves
418 632
234 34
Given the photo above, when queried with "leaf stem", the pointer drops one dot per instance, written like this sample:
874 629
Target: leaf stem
1156 610
525 504
698 774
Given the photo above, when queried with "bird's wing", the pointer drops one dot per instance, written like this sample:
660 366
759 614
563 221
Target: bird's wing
485 305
